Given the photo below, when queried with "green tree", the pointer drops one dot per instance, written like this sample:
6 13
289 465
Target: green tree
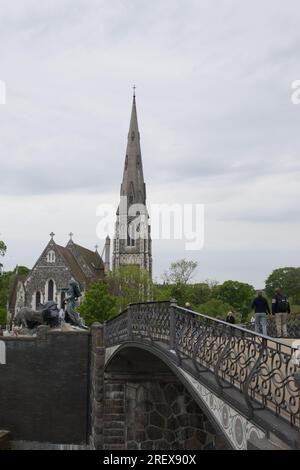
180 272
162 292
288 279
3 249
214 308
198 293
6 282
98 305
238 295
130 284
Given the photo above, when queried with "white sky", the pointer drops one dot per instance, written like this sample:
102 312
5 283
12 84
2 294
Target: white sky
216 119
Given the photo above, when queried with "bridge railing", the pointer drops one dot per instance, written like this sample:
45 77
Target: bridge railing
260 367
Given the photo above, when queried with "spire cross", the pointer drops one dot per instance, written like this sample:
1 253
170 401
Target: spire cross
71 235
134 88
52 235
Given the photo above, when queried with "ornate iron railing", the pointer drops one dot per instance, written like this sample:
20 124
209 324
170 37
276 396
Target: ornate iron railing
293 327
260 367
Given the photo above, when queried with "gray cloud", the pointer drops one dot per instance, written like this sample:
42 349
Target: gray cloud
216 120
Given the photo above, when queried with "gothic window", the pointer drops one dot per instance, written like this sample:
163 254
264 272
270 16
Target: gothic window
126 162
50 290
51 256
37 299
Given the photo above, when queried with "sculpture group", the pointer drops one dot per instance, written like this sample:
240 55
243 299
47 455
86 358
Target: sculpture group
49 314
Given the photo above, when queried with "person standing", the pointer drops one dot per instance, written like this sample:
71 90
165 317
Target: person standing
281 309
261 309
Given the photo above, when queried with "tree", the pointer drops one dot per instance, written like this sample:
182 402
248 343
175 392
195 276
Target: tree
3 249
130 284
238 295
214 308
180 272
98 305
288 279
198 293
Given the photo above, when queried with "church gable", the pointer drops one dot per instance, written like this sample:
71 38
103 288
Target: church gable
50 275
51 257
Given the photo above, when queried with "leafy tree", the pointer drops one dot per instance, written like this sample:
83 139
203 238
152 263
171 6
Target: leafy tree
198 293
180 272
130 284
3 249
214 308
6 281
162 292
238 295
98 305
288 279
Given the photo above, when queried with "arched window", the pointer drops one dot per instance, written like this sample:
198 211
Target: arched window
51 256
50 290
37 299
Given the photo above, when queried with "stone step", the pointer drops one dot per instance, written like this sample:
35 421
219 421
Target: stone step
113 432
108 403
114 410
114 424
114 417
116 395
114 440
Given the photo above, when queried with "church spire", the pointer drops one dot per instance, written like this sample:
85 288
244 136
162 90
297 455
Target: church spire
133 185
132 239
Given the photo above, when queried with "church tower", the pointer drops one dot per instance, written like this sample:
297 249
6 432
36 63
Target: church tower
132 240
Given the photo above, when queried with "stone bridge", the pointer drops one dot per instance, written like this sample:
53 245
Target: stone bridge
156 377
164 377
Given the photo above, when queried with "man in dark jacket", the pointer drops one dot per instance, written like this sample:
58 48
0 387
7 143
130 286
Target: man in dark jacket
261 309
281 309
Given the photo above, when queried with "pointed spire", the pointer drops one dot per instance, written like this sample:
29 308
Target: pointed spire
133 185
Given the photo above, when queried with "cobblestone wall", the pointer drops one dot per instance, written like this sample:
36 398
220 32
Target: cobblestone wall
163 416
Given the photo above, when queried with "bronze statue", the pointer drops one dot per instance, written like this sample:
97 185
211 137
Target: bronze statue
72 294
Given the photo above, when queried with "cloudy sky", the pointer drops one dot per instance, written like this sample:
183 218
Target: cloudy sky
218 127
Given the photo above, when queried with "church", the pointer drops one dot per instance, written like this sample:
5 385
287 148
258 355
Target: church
56 265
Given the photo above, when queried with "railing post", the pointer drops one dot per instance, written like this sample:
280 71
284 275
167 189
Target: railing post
173 305
129 322
253 372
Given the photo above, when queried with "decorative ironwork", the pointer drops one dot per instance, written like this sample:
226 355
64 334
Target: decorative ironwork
261 368
293 327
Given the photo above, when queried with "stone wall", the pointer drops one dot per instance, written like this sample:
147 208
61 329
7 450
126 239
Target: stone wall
44 387
154 415
163 416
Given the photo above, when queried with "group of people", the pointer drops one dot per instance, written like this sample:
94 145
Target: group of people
280 309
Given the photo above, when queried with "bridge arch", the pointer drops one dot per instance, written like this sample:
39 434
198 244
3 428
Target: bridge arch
146 372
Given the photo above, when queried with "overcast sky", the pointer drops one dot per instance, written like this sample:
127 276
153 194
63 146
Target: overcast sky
216 120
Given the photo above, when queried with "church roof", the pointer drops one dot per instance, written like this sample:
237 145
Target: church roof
92 258
72 263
